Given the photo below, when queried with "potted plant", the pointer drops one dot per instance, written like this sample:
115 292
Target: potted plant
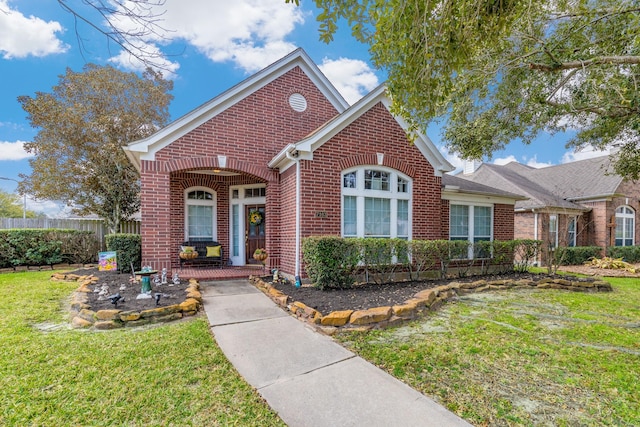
260 254
188 253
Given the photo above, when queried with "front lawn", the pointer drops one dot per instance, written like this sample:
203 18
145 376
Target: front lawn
172 374
522 357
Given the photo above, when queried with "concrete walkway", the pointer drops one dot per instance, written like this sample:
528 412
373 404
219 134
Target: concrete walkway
306 377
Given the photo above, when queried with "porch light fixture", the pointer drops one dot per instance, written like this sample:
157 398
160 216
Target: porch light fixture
216 171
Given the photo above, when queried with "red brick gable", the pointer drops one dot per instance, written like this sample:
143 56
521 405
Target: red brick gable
375 131
257 127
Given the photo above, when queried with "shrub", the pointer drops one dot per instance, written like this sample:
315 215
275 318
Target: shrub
29 247
422 257
128 248
525 252
627 253
78 247
330 261
578 255
382 258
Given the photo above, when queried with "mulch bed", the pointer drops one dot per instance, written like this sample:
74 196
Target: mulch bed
362 297
174 294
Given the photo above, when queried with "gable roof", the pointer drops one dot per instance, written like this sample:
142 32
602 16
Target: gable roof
455 184
580 180
304 148
146 148
555 187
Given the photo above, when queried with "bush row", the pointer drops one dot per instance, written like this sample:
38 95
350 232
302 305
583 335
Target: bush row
31 247
333 262
128 248
627 253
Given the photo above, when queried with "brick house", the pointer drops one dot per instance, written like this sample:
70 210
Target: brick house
284 147
581 203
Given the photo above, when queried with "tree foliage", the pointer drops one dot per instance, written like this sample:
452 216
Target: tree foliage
83 124
11 206
505 69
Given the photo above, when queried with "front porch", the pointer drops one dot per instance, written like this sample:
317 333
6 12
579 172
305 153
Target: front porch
204 274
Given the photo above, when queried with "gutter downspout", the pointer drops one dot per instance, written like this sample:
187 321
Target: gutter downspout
293 155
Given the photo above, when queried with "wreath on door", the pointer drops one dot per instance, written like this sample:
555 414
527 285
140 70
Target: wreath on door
256 217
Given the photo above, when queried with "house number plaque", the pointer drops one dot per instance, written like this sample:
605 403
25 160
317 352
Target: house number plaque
321 214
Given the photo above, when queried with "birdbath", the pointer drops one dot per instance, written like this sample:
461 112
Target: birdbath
145 291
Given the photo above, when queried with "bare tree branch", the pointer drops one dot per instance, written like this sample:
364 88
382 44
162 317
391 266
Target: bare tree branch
141 13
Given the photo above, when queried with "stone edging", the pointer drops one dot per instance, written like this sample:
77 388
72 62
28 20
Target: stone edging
428 299
82 316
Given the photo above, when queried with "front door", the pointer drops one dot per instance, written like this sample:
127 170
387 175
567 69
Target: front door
254 231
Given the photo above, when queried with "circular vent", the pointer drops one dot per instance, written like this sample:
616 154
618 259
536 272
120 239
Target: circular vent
298 102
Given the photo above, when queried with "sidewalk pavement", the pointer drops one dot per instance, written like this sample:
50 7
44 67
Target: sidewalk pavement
306 377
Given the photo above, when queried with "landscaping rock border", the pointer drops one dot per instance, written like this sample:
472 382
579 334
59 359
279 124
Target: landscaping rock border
427 300
82 316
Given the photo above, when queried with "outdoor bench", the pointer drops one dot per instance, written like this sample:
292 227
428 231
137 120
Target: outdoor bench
210 253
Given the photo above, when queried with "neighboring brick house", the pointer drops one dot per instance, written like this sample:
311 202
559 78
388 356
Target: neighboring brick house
582 203
285 147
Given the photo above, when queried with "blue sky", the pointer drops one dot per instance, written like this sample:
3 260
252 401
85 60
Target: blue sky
214 45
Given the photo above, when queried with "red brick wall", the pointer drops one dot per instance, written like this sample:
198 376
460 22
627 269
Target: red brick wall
376 131
503 222
249 133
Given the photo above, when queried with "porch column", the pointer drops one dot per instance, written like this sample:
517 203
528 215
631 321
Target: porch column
155 210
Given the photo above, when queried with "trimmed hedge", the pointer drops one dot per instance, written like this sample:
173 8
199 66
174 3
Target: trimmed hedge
34 247
627 253
578 255
128 248
332 262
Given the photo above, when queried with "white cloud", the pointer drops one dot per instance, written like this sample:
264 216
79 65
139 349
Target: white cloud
582 154
13 150
504 160
21 36
353 78
250 33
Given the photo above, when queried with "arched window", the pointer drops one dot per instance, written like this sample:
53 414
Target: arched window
625 226
376 203
200 214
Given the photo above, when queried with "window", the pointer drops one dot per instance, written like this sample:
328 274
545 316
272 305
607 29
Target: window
200 215
376 180
376 203
254 192
625 226
553 231
571 232
471 223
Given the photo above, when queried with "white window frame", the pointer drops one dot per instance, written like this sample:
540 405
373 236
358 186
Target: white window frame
553 230
622 218
191 202
572 234
393 195
471 222
241 202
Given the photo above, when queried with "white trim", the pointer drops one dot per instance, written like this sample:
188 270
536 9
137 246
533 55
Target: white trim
466 198
471 222
241 202
360 193
192 202
308 145
146 148
625 217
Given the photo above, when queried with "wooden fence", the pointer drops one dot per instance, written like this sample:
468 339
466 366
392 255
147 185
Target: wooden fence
95 225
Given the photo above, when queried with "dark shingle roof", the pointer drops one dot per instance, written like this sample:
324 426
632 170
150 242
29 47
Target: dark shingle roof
468 186
554 186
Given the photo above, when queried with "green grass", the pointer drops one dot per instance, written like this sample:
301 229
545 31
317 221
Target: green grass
172 374
523 357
